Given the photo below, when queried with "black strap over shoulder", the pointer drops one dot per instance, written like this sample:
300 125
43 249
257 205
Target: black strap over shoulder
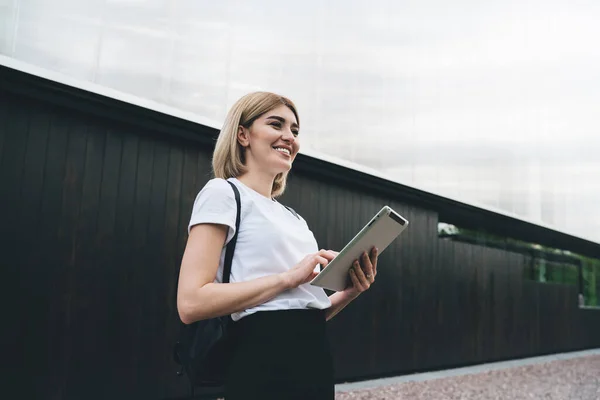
202 348
292 211
231 245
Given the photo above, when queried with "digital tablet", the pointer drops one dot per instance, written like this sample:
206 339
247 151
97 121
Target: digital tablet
383 228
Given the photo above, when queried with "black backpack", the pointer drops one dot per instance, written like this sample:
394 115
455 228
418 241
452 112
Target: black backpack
202 350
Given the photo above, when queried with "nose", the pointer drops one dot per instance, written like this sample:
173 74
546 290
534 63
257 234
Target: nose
288 135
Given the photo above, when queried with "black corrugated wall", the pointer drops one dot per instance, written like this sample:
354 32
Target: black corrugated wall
96 196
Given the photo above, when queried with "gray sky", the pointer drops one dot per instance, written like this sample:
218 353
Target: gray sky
493 103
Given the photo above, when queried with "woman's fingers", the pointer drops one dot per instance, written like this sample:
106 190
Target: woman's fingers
367 268
356 282
363 271
360 274
373 256
319 260
324 257
328 254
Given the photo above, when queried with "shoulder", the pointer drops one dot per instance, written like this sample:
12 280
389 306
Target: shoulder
216 204
216 187
217 184
217 192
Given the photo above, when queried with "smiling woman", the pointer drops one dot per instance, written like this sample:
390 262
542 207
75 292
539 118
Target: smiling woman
270 117
277 330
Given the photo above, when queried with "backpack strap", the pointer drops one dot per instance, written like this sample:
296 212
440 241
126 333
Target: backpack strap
181 347
290 209
231 244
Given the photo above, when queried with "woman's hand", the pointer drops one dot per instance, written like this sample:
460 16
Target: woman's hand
304 271
362 274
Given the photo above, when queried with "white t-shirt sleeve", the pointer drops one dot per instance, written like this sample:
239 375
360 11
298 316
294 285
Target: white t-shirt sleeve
215 204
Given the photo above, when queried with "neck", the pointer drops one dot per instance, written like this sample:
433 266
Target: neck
259 182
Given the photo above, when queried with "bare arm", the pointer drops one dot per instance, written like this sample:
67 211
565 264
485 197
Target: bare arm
339 300
198 297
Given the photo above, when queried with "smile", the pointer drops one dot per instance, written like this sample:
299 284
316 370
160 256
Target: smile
283 150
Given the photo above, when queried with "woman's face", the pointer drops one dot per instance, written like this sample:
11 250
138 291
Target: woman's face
271 142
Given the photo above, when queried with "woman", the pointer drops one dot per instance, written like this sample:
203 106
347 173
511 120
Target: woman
281 349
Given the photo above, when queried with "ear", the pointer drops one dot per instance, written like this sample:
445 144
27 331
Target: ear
243 136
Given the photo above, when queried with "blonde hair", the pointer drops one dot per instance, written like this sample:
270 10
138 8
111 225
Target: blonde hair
228 157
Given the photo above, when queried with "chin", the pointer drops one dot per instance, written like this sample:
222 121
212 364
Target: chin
280 170
283 166
283 170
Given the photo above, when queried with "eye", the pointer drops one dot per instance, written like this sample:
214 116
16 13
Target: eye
276 124
295 133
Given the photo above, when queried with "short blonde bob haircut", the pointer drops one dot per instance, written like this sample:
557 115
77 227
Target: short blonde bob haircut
228 157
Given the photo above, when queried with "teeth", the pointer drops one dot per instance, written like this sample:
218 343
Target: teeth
281 149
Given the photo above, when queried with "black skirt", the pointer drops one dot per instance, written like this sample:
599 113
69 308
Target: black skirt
281 355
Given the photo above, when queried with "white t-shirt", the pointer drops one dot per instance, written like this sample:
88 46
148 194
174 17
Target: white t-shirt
271 240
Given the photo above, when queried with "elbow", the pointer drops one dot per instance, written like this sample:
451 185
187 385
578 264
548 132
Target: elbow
189 314
185 316
186 311
190 311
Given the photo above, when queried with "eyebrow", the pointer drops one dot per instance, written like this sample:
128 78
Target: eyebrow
282 120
